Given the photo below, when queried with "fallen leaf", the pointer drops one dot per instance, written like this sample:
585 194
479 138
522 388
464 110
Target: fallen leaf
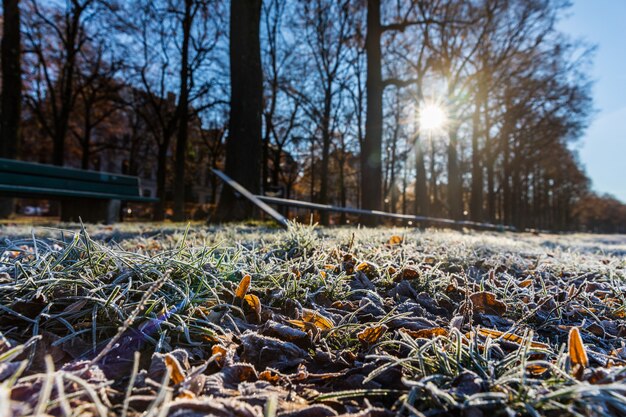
426 333
409 273
243 287
526 283
254 303
315 318
371 333
395 240
486 302
577 352
510 337
269 376
176 370
536 370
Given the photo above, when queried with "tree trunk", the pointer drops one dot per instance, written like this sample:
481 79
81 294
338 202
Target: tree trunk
183 120
326 136
244 143
11 80
159 206
11 91
476 199
422 202
371 161
455 192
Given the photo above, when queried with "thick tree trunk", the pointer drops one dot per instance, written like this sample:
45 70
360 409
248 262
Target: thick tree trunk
11 91
183 119
371 160
244 143
11 80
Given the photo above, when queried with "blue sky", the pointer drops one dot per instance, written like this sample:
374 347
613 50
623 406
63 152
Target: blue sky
603 146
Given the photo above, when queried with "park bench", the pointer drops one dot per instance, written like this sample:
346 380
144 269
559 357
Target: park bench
93 196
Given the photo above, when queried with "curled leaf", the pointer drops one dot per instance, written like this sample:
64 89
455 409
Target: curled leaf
243 287
175 368
577 352
254 305
371 333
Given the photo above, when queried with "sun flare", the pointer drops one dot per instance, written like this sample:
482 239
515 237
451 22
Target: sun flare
432 117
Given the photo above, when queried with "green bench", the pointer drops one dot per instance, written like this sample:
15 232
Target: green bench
91 195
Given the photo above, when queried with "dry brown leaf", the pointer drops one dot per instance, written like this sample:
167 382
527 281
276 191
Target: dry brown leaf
510 337
486 302
269 376
395 240
185 395
536 370
409 273
426 333
254 302
577 352
315 318
526 283
243 287
371 333
175 368
219 352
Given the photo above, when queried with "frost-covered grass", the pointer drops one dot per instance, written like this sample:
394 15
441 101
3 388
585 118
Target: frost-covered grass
159 319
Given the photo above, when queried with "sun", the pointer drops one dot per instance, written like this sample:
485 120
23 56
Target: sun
432 117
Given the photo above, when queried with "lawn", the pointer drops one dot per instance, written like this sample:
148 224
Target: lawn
252 320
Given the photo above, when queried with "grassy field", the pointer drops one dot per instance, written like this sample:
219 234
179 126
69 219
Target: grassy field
255 321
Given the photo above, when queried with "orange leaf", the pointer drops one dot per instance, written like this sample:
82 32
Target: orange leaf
526 283
269 376
243 287
536 370
253 302
486 302
426 333
577 352
395 240
372 333
510 337
321 322
176 370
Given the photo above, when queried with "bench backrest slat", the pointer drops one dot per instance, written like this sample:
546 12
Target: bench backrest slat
29 174
51 171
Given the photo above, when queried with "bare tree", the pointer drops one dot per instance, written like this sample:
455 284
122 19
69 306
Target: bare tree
244 143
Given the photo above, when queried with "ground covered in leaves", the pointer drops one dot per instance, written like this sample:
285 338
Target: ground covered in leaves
255 321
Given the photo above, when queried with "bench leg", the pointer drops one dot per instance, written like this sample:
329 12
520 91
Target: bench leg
91 211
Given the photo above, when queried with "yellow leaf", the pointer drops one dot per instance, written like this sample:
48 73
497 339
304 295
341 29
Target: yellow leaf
426 333
321 322
510 337
395 240
254 302
243 287
577 352
372 333
176 370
